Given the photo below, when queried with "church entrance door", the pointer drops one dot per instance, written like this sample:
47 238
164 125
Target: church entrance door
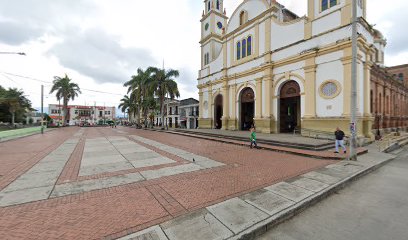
247 100
218 111
289 105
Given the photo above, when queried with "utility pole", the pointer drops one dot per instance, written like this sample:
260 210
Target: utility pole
353 124
42 109
59 111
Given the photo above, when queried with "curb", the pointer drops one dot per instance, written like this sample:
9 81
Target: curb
8 139
267 224
260 147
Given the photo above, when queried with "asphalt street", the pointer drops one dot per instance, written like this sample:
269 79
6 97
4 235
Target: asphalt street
373 208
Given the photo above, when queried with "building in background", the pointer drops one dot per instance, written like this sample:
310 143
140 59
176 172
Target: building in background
35 117
189 111
179 114
82 114
389 98
268 67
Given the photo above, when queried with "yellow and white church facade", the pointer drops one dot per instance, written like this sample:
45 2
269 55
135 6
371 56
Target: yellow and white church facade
268 67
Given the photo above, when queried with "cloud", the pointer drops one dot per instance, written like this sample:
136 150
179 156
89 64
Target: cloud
397 39
25 20
15 33
98 55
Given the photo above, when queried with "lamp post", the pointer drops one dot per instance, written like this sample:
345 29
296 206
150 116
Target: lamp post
17 53
353 124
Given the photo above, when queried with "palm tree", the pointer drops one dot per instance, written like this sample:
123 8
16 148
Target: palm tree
124 105
163 84
139 91
66 90
15 101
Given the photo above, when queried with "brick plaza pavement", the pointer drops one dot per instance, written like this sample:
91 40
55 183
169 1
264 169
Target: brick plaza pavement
106 183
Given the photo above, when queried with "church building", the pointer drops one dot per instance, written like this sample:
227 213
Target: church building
284 73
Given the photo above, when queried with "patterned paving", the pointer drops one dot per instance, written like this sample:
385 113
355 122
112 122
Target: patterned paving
102 182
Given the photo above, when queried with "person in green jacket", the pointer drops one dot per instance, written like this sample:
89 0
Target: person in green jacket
253 137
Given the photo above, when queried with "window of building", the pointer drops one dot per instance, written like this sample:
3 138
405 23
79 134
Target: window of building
238 50
244 48
242 17
218 4
401 77
206 58
326 4
249 46
244 44
209 5
76 112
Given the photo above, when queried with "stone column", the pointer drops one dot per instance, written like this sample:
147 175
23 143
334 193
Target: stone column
347 82
201 104
258 99
310 88
267 121
268 55
258 105
367 116
210 108
233 104
225 105
367 89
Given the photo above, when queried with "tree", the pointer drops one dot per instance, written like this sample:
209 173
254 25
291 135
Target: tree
124 105
65 90
139 91
127 104
15 102
162 84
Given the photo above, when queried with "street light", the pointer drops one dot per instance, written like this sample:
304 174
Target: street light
353 124
17 53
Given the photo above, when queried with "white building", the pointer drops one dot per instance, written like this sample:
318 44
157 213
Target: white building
268 67
189 111
82 114
179 114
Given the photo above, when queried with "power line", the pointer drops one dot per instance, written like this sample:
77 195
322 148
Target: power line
50 84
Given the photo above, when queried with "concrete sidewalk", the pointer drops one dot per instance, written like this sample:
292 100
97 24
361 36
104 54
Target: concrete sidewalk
373 208
251 215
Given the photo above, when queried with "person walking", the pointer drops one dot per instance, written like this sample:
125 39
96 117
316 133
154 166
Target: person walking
339 134
252 137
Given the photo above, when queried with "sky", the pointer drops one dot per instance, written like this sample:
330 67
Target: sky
100 44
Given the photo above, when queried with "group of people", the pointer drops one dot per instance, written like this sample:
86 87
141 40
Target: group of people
339 135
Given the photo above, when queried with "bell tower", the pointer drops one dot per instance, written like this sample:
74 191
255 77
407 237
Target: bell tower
213 25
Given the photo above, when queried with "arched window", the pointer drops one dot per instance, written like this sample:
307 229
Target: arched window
238 50
244 48
249 47
242 18
209 5
218 4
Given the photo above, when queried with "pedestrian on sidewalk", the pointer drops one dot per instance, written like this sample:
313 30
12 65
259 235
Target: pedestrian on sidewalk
252 137
340 140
